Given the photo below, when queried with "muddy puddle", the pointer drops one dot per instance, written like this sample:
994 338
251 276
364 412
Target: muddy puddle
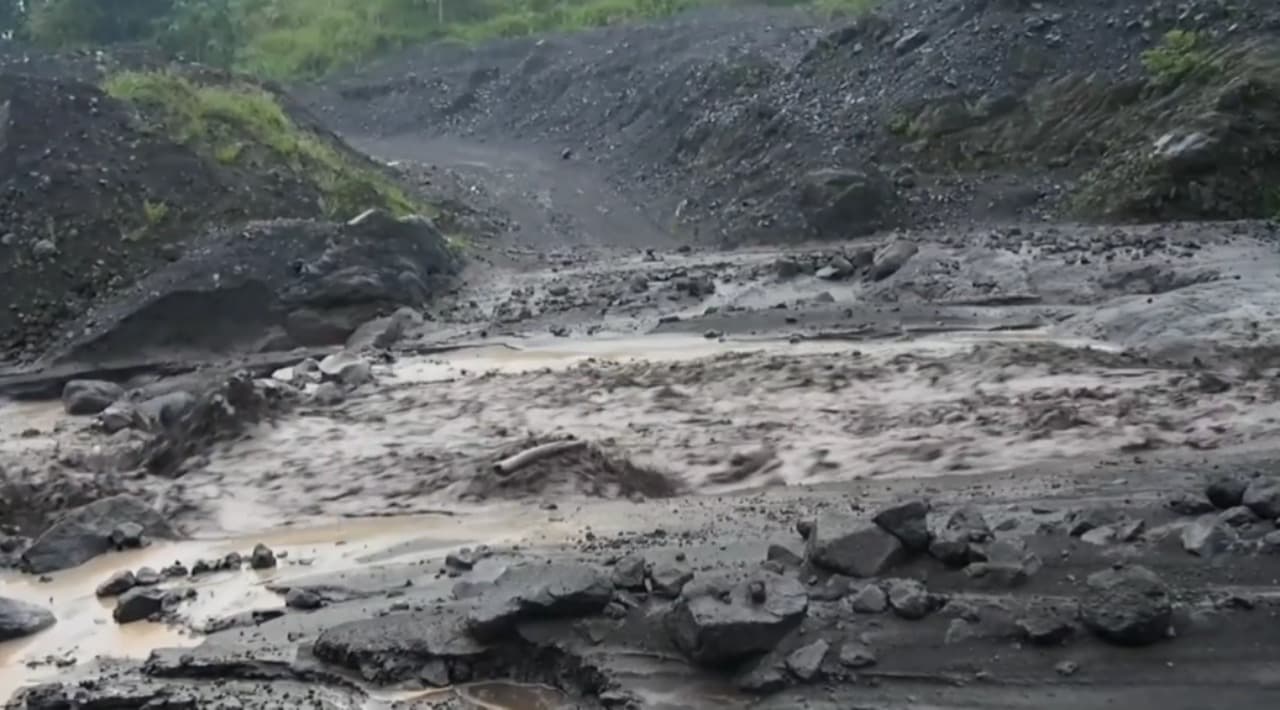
85 630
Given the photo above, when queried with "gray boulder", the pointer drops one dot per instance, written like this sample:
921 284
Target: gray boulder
1208 536
19 619
910 599
143 603
629 573
86 532
846 202
117 584
891 259
538 591
86 397
953 543
668 578
1129 606
806 662
1263 498
1226 491
841 544
750 617
909 522
871 599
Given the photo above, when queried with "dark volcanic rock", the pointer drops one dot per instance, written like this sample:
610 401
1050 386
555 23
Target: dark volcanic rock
141 603
117 584
629 572
400 646
910 599
715 630
303 599
83 397
86 532
668 578
870 600
1130 606
962 529
842 544
1207 536
909 522
806 662
539 591
1263 498
19 619
1227 491
262 557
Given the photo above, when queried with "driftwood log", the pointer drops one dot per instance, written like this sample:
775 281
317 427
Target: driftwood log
511 464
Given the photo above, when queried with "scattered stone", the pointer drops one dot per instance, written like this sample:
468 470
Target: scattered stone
262 557
714 629
177 569
1270 543
1227 491
538 591
909 522
1238 517
166 410
328 394
117 584
1084 521
1128 606
668 578
857 655
1189 504
767 675
87 397
303 599
19 619
806 662
139 603
86 532
891 259
146 577
841 544
435 673
783 555
1006 564
953 543
127 536
871 599
1207 536
909 41
1067 668
1263 498
910 599
629 573
346 368
1045 628
1124 531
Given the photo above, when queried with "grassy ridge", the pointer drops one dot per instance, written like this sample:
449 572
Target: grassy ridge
286 39
243 125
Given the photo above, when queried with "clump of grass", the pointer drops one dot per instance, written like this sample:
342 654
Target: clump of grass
242 124
154 212
1178 57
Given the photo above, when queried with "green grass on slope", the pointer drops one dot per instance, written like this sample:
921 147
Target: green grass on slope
243 125
291 39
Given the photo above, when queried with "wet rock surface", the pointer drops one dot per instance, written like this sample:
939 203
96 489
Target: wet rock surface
19 619
85 533
717 625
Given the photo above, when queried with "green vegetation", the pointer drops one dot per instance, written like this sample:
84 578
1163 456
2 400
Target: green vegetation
242 124
292 39
155 212
1179 56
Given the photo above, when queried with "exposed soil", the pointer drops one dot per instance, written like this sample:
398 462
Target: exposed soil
960 452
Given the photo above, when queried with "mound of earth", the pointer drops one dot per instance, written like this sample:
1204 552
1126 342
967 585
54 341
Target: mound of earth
772 126
107 188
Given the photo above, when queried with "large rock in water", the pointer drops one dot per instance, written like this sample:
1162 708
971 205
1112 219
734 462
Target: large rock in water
751 617
19 619
1129 606
249 282
82 397
539 591
1263 498
841 544
86 532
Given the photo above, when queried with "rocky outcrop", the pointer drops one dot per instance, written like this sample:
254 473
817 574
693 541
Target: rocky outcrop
86 532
